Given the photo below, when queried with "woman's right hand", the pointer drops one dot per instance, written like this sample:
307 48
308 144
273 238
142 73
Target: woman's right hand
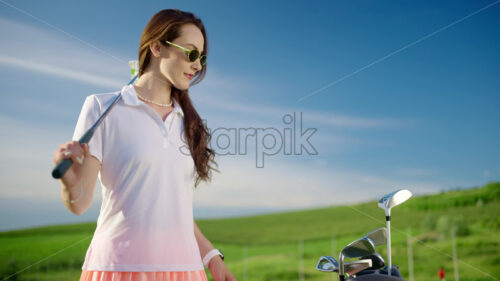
77 152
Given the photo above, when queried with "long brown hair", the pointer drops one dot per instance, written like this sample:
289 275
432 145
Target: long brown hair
165 25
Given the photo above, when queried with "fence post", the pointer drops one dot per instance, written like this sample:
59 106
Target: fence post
410 254
455 259
334 253
301 260
245 263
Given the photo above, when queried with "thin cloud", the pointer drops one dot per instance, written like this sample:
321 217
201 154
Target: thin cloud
61 72
28 151
36 49
313 117
323 186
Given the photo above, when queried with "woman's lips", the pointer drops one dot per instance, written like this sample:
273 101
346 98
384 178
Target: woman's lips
190 76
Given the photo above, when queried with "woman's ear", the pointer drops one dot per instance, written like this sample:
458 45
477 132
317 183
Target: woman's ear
155 48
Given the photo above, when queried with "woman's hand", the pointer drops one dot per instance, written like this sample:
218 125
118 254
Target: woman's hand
219 270
77 152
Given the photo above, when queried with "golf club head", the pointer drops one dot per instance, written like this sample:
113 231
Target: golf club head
354 267
393 199
377 260
378 236
134 67
327 264
358 248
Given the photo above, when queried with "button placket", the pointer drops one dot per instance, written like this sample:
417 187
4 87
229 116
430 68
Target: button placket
167 124
168 121
164 132
161 124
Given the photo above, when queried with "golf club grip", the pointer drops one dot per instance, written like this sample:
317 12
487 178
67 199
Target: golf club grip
64 165
61 168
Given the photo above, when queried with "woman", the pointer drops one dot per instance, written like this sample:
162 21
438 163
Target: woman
150 152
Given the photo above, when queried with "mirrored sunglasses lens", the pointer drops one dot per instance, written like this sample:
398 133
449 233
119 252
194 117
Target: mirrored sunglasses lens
203 60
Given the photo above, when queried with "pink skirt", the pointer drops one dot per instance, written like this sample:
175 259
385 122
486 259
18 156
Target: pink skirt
143 276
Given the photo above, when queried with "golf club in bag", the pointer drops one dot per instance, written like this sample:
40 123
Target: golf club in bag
65 164
387 202
370 264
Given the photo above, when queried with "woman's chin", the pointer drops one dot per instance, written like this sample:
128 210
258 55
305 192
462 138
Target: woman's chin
183 86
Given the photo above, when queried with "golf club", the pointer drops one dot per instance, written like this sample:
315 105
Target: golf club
65 164
327 264
351 268
358 248
388 202
377 260
378 236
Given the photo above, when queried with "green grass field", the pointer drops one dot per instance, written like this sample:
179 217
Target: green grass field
269 247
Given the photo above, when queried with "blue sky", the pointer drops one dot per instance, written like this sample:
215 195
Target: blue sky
406 95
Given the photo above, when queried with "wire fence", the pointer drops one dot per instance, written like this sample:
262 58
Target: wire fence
294 260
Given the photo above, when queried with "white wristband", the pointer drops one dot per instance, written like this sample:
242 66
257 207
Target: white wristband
210 255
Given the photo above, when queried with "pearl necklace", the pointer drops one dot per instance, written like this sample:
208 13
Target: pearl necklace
157 103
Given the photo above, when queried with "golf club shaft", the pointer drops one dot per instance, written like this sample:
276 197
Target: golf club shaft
389 262
65 164
341 266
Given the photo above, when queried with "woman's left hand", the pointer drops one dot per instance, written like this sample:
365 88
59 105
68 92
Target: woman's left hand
219 270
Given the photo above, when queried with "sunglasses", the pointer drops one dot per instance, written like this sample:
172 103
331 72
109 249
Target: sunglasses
193 55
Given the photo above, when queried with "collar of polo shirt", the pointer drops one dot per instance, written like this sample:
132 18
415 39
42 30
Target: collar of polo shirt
129 97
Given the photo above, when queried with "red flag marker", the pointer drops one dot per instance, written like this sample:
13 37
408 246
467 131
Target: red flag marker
441 273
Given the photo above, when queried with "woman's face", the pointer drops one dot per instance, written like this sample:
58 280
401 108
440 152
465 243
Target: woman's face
174 63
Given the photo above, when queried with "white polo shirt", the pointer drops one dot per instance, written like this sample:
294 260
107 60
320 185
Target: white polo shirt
147 179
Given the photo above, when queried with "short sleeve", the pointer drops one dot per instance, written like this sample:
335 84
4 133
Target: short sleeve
88 116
